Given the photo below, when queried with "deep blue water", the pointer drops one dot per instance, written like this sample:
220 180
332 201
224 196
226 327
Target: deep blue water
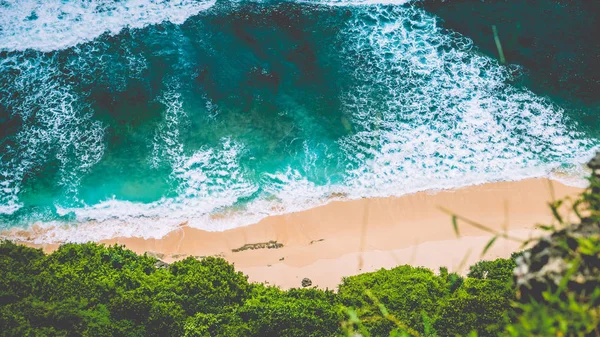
138 115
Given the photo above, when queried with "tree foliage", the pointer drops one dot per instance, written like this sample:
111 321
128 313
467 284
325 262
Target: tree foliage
94 290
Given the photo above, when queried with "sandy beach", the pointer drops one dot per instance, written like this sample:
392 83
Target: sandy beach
345 238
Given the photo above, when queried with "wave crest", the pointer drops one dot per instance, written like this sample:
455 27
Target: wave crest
47 25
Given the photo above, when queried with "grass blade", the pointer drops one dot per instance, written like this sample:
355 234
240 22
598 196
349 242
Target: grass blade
455 225
489 245
498 45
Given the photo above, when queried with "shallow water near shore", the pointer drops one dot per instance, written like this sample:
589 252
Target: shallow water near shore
141 115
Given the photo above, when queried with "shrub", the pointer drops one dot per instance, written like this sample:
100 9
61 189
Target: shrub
210 285
405 291
479 305
498 269
272 312
228 324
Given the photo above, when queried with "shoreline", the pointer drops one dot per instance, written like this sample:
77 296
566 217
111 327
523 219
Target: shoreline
328 242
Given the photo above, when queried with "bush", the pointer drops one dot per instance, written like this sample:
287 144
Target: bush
272 312
498 269
210 285
19 264
216 325
405 291
479 305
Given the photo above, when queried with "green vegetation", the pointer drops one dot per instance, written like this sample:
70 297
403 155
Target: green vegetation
499 269
558 280
551 289
93 290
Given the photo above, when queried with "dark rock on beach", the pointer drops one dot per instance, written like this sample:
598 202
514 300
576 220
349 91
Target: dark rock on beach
261 245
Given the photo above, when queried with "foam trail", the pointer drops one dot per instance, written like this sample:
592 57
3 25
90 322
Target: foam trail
210 179
167 145
206 180
205 174
447 118
58 127
352 3
48 25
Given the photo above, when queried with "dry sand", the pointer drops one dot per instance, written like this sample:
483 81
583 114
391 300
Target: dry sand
345 238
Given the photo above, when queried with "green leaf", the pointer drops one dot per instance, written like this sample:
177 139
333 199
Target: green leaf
498 45
547 228
576 208
554 206
489 245
455 225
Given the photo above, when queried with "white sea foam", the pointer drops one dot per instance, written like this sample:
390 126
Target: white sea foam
428 113
204 174
354 3
105 63
167 145
117 218
57 126
207 179
120 218
447 117
48 25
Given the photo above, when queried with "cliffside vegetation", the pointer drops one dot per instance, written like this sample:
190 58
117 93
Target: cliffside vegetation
92 290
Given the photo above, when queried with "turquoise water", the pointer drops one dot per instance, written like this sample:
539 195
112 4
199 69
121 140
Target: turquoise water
138 115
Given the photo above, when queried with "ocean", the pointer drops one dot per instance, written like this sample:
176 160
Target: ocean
139 115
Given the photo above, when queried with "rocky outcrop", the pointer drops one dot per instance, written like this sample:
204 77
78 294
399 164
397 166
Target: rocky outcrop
558 256
572 253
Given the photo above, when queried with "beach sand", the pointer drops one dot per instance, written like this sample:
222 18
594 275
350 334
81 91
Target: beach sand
346 238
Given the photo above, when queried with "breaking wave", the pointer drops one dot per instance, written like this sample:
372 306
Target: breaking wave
48 25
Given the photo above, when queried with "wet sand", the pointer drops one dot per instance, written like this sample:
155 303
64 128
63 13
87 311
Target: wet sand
345 238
